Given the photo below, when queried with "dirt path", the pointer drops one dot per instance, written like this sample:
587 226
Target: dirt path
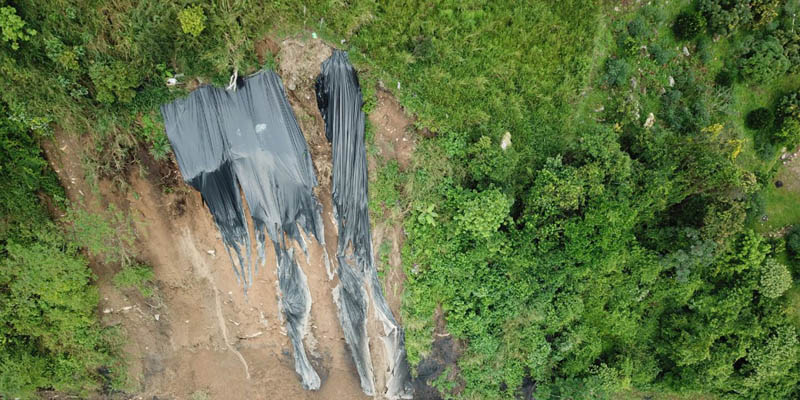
199 335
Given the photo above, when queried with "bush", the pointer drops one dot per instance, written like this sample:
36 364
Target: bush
617 71
483 214
137 276
789 116
793 243
724 78
688 25
763 60
12 27
193 20
638 28
660 54
775 279
759 118
724 17
114 82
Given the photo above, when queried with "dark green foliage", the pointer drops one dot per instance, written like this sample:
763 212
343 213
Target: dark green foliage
760 118
661 55
49 336
763 60
617 72
638 27
725 16
789 117
687 25
793 243
724 78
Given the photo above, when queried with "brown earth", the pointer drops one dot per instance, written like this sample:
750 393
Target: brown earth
199 335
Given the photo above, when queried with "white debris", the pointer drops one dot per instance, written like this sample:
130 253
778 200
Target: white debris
212 252
252 336
671 81
685 51
506 140
651 119
172 82
157 316
108 311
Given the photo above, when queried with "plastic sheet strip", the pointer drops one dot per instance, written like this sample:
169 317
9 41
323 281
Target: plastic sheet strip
339 99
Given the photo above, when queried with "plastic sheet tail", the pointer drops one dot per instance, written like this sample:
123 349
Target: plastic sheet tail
339 99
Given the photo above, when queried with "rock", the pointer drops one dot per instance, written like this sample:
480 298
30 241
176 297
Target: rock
157 317
671 81
108 311
651 119
686 51
600 109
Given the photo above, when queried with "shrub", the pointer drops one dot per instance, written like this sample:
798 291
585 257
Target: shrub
138 276
793 243
789 116
759 118
12 27
724 17
638 27
660 54
789 106
193 20
688 25
724 78
114 82
763 60
775 279
483 214
617 71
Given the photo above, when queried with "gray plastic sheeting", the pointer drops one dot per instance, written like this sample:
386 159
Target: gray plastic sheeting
249 139
340 101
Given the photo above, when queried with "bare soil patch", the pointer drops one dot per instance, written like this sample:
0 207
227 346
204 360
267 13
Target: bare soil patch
199 333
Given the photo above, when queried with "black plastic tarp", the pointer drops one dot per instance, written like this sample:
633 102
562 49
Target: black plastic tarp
340 101
249 139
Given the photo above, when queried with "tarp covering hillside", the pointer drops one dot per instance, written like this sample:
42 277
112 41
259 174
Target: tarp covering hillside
249 139
340 101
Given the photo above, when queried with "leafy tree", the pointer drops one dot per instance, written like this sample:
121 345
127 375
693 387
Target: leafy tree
688 24
775 279
763 60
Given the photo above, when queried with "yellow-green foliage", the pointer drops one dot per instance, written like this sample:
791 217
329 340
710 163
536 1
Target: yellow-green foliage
193 20
13 28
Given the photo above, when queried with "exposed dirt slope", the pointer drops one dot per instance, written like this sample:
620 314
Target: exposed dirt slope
199 334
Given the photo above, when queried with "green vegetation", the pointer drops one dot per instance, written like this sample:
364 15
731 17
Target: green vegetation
615 248
49 335
136 276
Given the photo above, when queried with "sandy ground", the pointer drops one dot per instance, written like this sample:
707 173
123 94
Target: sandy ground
199 335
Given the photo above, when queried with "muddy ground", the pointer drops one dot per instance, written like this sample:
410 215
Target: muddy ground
199 337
